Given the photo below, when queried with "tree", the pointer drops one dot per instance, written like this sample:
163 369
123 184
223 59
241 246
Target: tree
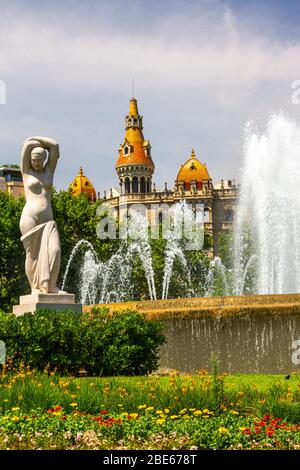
13 281
77 219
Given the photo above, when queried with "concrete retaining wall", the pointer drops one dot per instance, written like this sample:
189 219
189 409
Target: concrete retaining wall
248 334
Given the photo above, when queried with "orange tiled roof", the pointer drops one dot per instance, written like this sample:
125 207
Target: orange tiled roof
193 170
135 139
81 184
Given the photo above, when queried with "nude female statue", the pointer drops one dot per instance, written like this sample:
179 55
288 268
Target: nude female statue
39 231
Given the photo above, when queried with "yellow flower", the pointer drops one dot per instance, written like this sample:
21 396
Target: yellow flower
167 411
141 407
197 412
150 408
186 417
174 417
15 408
5 417
159 412
15 418
222 430
206 411
160 421
183 411
233 412
73 404
20 397
192 409
6 400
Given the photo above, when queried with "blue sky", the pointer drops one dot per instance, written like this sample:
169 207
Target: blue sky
202 69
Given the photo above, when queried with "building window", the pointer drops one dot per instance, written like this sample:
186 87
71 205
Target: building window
135 184
228 215
127 185
143 185
126 150
206 214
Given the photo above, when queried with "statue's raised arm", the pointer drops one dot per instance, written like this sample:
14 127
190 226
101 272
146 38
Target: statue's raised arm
45 143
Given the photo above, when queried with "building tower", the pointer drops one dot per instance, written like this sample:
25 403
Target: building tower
134 165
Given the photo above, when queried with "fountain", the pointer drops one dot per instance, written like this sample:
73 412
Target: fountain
237 315
267 233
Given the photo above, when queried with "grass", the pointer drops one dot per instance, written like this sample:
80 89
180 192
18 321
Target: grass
180 411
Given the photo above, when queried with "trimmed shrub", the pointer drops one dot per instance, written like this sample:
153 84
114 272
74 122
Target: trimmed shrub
104 344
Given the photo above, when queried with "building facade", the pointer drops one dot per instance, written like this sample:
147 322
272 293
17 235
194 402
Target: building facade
11 181
135 169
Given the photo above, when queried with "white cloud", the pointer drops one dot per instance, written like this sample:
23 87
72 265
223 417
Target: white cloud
200 74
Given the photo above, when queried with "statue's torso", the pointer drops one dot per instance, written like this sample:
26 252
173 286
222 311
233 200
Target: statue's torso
37 209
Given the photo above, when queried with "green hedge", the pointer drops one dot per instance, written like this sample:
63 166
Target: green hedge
124 343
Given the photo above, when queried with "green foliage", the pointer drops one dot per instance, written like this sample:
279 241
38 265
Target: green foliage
225 249
178 411
7 165
123 343
13 281
77 219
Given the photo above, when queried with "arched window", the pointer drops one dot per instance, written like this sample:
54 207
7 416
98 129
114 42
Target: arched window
143 185
148 185
126 150
135 184
160 217
228 215
127 185
206 214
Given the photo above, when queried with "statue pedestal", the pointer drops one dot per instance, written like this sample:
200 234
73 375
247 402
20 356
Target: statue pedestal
34 302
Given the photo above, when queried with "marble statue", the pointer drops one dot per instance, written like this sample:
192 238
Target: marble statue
39 231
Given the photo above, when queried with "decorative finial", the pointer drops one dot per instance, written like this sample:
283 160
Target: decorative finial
193 153
80 171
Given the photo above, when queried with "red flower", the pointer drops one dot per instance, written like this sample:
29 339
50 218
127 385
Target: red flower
267 417
257 429
247 431
269 432
104 412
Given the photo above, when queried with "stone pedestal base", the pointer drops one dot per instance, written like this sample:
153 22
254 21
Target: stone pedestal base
34 302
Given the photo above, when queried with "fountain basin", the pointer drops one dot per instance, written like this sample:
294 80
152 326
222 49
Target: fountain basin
248 334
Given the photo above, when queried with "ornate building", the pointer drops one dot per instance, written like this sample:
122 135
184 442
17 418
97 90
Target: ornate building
135 170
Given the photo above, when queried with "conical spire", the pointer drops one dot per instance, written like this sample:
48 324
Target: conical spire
135 150
133 108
